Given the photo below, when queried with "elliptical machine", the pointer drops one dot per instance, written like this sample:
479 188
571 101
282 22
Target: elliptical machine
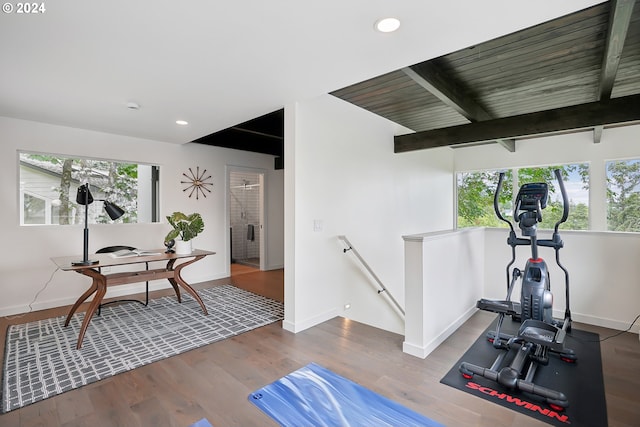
539 333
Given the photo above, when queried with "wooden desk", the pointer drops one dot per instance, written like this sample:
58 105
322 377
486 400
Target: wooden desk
101 281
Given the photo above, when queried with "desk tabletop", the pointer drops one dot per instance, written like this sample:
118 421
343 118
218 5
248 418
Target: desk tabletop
106 260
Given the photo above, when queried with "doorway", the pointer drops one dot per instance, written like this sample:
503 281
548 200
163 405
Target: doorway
246 218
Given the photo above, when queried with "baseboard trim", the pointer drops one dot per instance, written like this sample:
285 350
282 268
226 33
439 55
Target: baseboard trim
605 323
296 327
423 351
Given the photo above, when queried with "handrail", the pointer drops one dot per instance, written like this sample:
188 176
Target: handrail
366 266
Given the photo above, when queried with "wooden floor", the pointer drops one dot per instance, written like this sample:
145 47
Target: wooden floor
214 381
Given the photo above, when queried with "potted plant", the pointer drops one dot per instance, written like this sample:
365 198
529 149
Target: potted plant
185 228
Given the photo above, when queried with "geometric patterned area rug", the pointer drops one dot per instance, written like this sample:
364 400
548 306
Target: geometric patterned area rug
316 396
41 359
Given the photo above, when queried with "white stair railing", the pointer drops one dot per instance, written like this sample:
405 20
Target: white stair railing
382 288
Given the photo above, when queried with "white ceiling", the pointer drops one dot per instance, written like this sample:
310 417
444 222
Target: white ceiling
218 63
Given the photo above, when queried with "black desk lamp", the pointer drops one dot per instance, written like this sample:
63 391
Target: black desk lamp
85 198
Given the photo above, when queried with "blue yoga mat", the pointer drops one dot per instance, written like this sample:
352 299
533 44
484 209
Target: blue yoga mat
315 396
202 423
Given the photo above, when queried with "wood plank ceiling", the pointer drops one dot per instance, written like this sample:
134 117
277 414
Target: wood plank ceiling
580 71
589 61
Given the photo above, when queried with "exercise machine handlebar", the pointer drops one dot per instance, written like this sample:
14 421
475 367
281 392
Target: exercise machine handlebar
496 202
565 201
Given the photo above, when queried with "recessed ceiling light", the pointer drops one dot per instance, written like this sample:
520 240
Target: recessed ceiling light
387 25
182 122
131 105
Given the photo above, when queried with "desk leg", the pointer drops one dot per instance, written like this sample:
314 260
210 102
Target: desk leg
174 284
82 299
100 284
178 278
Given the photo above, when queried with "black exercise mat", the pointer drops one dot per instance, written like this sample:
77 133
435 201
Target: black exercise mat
581 382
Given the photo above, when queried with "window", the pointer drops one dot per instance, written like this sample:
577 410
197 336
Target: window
475 198
623 195
476 191
34 209
48 185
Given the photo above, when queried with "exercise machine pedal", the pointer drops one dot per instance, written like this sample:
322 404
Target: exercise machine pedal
509 308
542 333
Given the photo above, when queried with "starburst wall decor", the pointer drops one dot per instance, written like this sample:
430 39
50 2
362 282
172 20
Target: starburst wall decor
197 183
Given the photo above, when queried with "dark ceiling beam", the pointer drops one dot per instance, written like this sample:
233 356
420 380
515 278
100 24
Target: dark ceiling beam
575 118
429 76
254 132
597 134
619 19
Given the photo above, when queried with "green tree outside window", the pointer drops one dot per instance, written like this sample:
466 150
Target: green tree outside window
476 190
623 195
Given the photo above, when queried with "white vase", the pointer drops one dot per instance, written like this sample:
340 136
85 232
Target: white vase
183 247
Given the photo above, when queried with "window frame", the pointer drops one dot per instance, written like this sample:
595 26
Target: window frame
514 172
151 190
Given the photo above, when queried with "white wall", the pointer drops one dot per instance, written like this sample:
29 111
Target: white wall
341 172
603 266
26 265
444 274
274 219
